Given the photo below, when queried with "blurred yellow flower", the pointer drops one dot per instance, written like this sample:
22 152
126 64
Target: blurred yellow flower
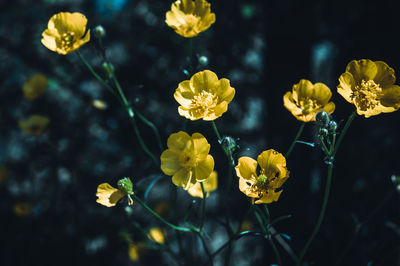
3 174
307 99
210 184
99 104
65 32
157 235
136 250
22 208
187 159
273 173
35 86
204 96
188 18
369 85
34 124
108 195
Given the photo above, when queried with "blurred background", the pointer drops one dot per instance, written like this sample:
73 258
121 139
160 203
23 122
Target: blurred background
48 178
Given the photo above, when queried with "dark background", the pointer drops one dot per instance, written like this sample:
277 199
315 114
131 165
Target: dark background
263 48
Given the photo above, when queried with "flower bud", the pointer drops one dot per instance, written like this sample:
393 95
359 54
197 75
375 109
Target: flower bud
203 60
99 32
332 126
125 185
322 118
323 132
109 69
229 144
395 179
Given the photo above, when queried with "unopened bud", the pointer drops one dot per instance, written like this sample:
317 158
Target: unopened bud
109 69
99 32
203 60
332 126
323 132
322 118
229 144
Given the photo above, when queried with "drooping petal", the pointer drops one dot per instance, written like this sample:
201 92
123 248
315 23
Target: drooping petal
246 168
108 195
210 184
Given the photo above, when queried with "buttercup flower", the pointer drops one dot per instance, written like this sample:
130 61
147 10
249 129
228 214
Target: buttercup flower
188 18
35 86
65 32
34 124
109 196
210 184
187 159
369 85
157 235
136 250
306 100
204 96
273 173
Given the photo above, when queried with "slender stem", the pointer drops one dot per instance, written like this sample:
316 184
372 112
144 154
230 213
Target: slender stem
269 236
94 73
295 140
344 130
321 215
210 259
227 152
152 126
144 205
203 211
216 131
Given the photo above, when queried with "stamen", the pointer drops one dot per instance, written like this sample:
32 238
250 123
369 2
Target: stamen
367 95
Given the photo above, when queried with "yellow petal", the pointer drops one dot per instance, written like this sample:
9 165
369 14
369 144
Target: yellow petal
363 69
385 74
302 90
269 197
225 92
170 163
271 162
200 144
182 178
204 168
204 80
157 235
346 85
69 22
108 195
246 168
244 186
49 39
322 93
290 104
329 108
391 97
178 141
210 184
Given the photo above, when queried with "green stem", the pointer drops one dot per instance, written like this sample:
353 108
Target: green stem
295 140
344 130
321 215
152 126
227 152
144 205
131 114
203 211
216 131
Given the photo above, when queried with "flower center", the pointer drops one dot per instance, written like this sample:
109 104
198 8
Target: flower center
308 105
367 95
67 40
189 22
188 160
204 102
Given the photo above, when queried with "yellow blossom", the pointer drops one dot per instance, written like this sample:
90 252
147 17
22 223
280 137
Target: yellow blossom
35 86
204 96
273 173
210 184
108 195
66 32
34 124
187 159
369 85
307 99
189 18
22 208
157 235
99 104
136 250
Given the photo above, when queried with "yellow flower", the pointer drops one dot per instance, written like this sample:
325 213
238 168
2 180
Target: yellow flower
135 251
22 209
306 100
210 184
273 173
35 86
109 196
34 124
157 235
65 32
370 87
187 159
188 18
204 96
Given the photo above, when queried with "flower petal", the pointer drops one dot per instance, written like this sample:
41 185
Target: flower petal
385 74
269 197
271 163
200 144
391 97
179 141
329 108
170 163
322 93
246 168
204 81
347 83
225 92
302 90
204 168
363 69
182 178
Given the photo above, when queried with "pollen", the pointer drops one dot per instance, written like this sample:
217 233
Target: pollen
204 101
67 40
367 95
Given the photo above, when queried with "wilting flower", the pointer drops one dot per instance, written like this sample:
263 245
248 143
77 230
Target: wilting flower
204 96
157 235
65 32
34 124
187 159
272 174
210 184
370 87
22 208
188 18
307 99
109 196
35 86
